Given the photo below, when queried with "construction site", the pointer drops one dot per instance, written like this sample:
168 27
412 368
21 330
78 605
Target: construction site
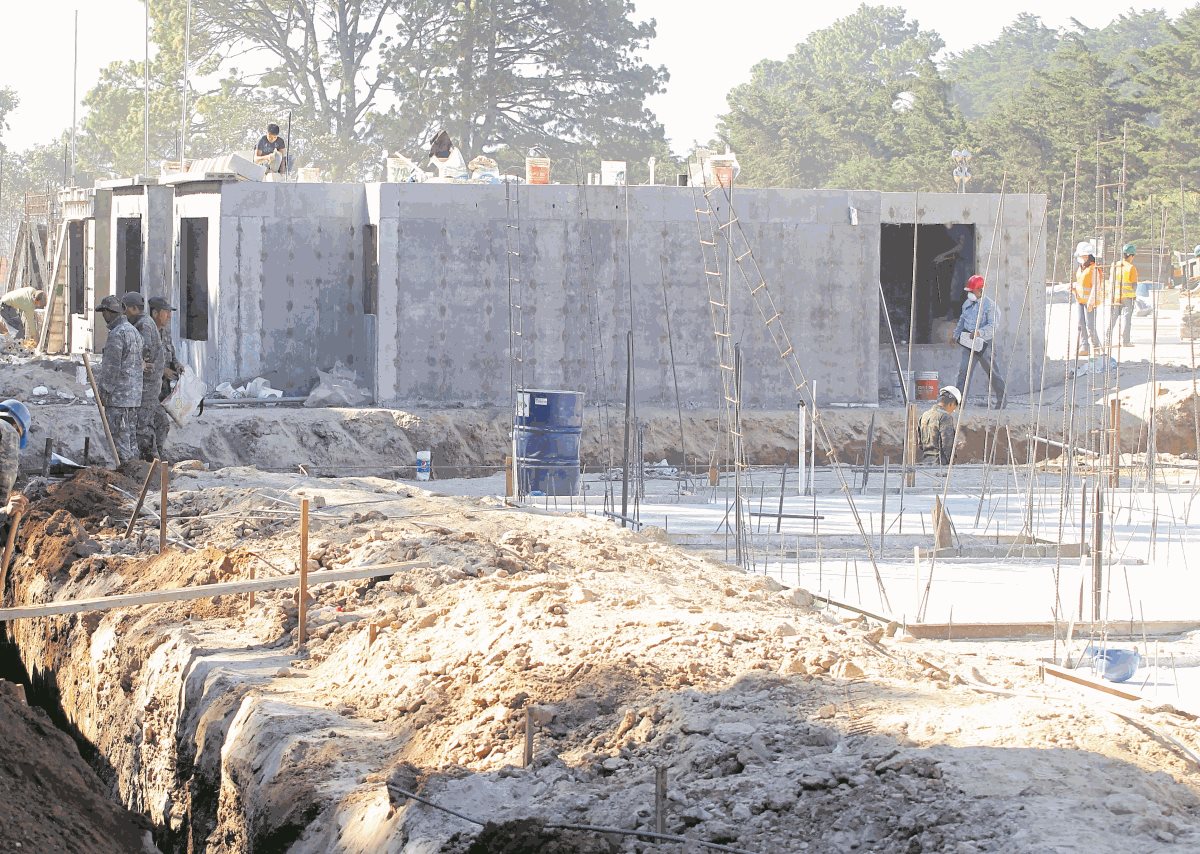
525 514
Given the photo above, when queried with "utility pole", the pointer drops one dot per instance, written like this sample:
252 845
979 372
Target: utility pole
146 96
183 116
74 99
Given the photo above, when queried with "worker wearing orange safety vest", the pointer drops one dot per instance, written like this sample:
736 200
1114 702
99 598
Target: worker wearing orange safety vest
1123 295
1088 280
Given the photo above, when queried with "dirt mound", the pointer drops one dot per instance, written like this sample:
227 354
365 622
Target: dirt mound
50 800
86 495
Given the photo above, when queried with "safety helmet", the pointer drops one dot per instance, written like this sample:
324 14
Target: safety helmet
20 414
1086 248
953 392
1129 249
975 283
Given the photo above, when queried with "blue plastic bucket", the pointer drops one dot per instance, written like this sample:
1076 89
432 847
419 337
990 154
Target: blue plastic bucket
547 429
1116 665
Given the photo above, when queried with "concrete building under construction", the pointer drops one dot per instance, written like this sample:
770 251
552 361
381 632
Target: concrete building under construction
414 286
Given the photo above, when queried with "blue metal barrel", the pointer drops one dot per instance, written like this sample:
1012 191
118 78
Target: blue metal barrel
547 429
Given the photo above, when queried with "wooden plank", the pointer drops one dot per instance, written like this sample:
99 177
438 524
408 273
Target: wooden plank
14 268
48 312
203 591
1032 630
1086 681
39 255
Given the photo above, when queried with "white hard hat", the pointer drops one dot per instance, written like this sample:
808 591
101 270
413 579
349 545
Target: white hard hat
1085 248
953 392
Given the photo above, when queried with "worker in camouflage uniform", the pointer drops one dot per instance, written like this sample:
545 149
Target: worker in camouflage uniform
160 313
135 312
936 429
14 435
120 381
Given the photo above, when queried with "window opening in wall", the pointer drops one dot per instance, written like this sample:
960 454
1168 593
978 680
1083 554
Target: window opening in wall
129 254
370 235
76 266
193 275
945 260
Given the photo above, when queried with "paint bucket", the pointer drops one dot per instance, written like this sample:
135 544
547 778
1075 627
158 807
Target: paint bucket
927 385
424 464
537 170
548 428
898 386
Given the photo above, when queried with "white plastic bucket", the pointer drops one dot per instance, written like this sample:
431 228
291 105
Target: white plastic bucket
424 464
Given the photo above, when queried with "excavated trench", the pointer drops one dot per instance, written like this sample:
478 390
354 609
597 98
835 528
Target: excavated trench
94 673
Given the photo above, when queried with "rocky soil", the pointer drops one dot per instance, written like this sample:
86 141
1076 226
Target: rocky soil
780 727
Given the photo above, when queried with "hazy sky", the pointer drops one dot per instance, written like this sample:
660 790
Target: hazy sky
706 50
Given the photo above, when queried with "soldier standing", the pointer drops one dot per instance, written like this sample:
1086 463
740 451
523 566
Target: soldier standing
120 380
135 308
160 313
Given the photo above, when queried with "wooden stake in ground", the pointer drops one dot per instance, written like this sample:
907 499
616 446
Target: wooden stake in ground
163 475
527 759
141 499
943 538
87 363
303 604
660 799
46 461
910 445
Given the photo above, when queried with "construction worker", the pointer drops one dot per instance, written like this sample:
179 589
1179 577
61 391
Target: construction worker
445 157
1087 295
271 150
935 431
1123 294
977 326
121 376
17 311
14 436
135 305
160 313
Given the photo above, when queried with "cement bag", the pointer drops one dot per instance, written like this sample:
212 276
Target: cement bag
181 403
336 388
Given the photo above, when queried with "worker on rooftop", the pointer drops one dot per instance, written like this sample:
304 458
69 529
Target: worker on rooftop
936 429
271 150
14 436
1087 296
124 359
445 157
1123 295
17 311
975 331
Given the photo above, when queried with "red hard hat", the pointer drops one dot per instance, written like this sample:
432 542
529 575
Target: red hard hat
975 283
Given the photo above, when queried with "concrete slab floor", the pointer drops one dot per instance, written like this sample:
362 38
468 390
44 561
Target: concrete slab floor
1149 544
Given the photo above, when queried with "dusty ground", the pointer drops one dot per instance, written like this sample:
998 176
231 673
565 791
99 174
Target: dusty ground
782 728
464 441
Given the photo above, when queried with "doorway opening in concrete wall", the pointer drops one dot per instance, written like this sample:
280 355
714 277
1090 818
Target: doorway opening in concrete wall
370 239
193 276
945 259
129 254
76 269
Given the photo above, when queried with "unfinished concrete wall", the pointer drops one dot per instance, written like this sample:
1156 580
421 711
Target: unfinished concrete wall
443 292
1010 252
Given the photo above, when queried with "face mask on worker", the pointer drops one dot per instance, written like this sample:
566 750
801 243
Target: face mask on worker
973 297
